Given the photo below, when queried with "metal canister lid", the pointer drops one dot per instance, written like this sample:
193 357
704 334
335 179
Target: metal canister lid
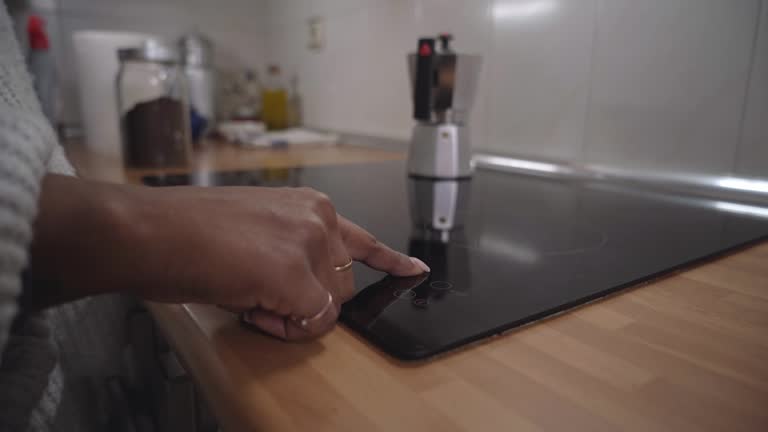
151 50
197 50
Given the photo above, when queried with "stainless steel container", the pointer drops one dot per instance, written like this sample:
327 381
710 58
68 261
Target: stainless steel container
198 58
443 85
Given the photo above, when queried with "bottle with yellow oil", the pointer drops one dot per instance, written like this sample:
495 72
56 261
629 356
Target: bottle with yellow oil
274 100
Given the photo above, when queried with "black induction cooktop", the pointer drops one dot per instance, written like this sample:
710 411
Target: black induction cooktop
505 249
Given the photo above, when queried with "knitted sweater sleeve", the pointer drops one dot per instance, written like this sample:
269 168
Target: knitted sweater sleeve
27 144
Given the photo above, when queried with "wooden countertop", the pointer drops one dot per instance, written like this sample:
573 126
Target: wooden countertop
689 352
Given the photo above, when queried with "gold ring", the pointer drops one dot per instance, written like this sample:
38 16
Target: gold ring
303 322
344 267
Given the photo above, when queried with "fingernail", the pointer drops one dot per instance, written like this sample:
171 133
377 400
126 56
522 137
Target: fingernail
421 264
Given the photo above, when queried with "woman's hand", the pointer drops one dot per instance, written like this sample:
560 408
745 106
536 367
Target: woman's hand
267 252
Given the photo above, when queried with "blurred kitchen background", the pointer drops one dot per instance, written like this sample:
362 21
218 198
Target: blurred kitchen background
665 87
674 91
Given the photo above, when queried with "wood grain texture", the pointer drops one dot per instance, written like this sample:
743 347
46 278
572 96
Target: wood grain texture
224 157
688 352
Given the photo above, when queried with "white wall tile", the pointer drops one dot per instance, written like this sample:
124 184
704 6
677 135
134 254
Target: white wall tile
359 81
753 152
668 83
539 77
651 84
333 82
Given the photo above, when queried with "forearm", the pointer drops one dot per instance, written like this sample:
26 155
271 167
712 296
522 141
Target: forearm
245 248
82 242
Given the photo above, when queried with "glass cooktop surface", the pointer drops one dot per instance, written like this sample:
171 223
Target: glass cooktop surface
505 249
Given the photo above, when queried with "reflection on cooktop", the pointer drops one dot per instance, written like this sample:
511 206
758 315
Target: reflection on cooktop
526 243
506 250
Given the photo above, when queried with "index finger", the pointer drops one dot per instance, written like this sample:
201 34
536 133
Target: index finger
363 246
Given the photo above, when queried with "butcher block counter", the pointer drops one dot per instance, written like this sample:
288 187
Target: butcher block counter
685 353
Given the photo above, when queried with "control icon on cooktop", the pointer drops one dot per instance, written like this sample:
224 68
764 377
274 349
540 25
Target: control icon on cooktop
441 285
404 294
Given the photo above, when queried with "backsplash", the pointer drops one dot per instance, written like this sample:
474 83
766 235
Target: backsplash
647 85
237 28
651 85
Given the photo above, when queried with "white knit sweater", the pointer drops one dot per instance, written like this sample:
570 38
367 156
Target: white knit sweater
30 379
56 368
28 148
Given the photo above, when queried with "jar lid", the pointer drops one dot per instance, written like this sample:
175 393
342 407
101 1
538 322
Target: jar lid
197 50
151 50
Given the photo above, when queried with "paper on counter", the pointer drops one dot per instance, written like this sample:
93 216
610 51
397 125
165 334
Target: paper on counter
241 131
295 136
